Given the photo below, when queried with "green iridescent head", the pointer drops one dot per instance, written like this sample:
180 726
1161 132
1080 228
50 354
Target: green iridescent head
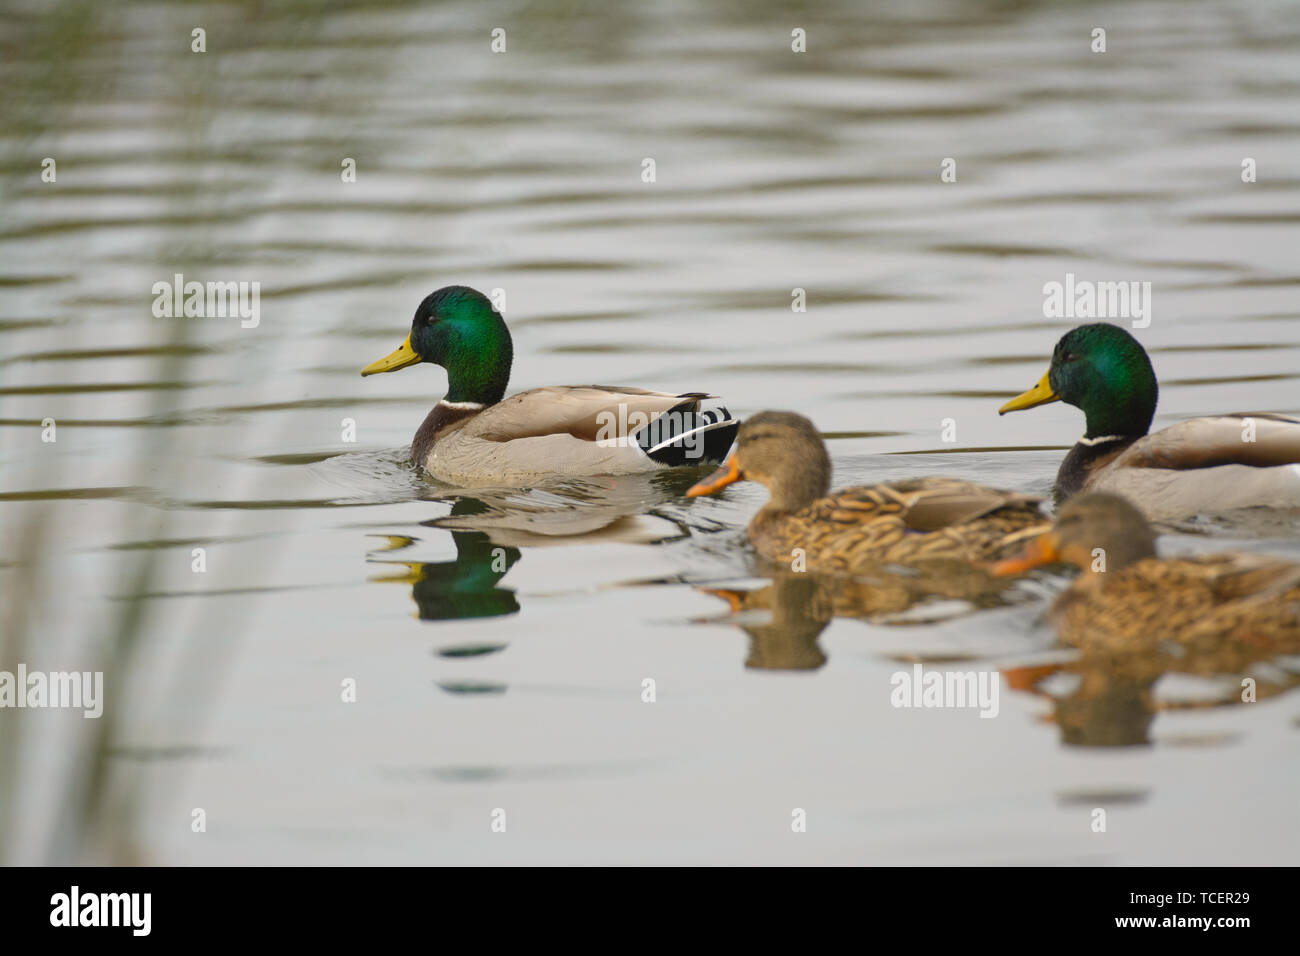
1104 371
457 328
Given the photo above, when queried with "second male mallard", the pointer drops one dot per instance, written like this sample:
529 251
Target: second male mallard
476 436
1199 465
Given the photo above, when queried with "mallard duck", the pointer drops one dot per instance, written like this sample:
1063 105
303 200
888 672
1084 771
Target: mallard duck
476 436
1200 465
1129 601
901 522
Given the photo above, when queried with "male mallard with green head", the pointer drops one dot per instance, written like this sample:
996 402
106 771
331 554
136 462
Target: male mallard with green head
903 522
1200 465
476 436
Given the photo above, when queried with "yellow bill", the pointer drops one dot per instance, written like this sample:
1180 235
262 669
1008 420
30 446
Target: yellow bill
400 357
1040 394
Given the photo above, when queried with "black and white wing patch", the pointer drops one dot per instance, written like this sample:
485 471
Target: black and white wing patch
682 436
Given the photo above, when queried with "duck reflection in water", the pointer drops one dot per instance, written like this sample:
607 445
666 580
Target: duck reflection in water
1112 702
783 621
469 586
490 527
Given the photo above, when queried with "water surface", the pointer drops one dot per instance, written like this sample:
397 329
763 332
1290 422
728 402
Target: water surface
499 655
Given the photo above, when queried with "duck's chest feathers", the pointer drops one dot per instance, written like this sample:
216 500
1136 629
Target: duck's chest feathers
1087 458
445 418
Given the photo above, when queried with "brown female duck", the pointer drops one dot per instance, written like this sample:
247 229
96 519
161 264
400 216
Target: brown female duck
902 522
1128 600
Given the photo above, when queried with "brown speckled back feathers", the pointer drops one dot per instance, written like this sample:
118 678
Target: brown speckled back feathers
901 522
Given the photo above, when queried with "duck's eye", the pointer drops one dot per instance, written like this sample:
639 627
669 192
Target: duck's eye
1071 356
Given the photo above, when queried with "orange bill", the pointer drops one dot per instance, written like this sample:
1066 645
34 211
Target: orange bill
734 598
1028 678
729 473
1042 550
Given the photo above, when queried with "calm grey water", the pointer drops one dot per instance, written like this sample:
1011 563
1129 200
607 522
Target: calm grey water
520 690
